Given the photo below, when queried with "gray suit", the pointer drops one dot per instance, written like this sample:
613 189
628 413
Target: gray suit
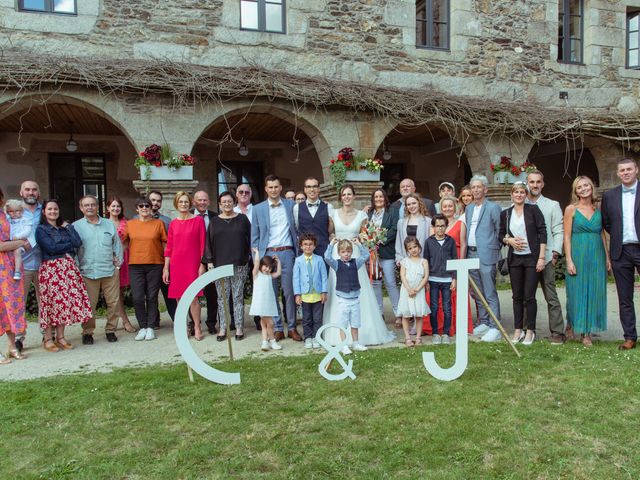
260 227
488 251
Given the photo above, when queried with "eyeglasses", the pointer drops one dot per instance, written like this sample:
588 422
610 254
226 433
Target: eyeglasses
144 205
312 186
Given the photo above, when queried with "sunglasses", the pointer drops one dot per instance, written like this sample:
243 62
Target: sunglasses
243 192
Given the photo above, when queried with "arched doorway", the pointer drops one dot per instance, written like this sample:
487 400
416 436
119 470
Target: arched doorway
69 147
561 162
245 146
427 154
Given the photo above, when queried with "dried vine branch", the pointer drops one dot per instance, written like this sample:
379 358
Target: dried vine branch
22 74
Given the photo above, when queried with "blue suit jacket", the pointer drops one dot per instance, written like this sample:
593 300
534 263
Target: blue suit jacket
261 223
301 279
487 231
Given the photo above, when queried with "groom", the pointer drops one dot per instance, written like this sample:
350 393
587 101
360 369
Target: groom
621 219
314 216
273 233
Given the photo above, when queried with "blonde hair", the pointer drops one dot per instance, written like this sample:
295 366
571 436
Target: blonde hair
345 244
574 196
519 186
180 195
13 204
450 198
422 210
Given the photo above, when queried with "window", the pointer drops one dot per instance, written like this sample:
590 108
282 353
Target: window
50 6
570 31
232 174
633 42
262 15
73 176
432 24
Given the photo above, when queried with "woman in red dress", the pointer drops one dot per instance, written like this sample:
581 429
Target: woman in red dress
457 230
12 320
116 215
63 294
183 254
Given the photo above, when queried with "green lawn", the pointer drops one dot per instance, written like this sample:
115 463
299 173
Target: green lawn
559 412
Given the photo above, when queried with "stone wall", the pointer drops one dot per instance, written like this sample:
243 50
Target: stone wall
499 48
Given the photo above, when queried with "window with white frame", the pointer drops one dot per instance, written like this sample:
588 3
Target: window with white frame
67 7
570 31
432 24
633 37
263 15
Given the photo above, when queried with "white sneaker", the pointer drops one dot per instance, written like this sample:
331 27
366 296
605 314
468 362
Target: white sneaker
265 346
308 343
151 335
141 334
358 347
437 339
346 350
492 335
316 344
481 329
446 340
275 345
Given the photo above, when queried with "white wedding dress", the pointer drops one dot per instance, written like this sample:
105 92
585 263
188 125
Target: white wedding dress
373 330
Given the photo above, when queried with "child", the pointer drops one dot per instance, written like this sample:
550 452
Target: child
437 250
263 302
20 230
347 289
310 288
414 271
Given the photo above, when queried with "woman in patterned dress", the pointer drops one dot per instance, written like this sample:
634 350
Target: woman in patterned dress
63 294
116 215
12 320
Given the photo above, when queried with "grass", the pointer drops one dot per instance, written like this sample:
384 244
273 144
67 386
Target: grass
559 412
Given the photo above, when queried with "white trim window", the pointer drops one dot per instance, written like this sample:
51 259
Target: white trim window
263 15
633 38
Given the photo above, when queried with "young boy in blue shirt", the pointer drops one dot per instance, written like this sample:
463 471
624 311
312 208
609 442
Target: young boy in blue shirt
310 288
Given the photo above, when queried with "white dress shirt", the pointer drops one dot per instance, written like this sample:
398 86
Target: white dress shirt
313 208
248 214
629 234
519 229
279 225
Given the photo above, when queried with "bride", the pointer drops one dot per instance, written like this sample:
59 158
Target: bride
347 222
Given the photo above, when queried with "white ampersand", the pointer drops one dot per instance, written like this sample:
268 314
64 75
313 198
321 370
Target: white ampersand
180 328
334 352
462 268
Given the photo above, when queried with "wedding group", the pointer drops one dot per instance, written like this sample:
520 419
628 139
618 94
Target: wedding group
301 256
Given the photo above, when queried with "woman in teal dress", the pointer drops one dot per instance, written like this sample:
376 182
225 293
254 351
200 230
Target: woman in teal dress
587 262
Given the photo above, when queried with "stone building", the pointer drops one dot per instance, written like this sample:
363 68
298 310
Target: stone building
440 87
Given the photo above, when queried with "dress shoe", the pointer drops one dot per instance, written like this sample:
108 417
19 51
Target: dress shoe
87 339
111 337
279 336
294 335
557 339
240 337
627 345
221 338
212 330
19 345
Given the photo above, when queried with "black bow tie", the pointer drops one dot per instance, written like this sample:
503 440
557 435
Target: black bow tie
317 204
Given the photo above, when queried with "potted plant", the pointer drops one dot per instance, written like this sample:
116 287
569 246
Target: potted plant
159 163
354 168
502 169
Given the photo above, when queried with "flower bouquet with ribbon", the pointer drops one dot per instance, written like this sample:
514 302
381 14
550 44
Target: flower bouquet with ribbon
372 236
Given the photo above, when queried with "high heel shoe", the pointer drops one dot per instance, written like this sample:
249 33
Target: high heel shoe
50 346
128 327
14 353
63 346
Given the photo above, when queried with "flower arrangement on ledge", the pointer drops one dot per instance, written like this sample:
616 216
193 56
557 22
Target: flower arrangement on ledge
161 156
346 161
506 165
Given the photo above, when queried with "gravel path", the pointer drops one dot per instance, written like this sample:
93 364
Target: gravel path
104 356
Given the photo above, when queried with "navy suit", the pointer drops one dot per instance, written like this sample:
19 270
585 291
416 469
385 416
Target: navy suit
260 228
625 258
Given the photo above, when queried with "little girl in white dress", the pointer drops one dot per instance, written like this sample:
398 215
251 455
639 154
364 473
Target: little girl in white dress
414 273
263 301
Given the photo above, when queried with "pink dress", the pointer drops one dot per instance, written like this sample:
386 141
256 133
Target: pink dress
124 268
185 246
11 291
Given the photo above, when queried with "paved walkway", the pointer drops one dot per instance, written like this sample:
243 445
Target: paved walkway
104 356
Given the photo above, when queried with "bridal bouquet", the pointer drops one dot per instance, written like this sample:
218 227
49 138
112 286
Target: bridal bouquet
371 236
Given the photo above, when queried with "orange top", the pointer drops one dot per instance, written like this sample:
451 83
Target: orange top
145 241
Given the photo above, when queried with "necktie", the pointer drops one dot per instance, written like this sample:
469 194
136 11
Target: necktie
310 270
631 190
